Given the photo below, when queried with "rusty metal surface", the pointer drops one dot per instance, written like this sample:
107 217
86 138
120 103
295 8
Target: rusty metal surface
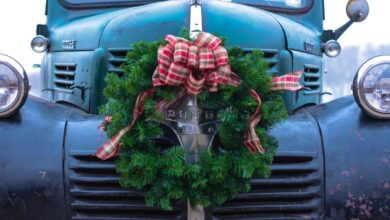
355 174
357 161
31 177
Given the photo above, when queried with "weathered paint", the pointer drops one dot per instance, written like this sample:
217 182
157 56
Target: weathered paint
43 146
356 148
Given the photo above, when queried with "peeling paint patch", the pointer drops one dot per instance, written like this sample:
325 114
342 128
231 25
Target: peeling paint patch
384 159
359 205
347 173
359 135
43 174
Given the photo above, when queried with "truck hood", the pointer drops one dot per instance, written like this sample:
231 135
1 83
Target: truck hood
122 26
243 26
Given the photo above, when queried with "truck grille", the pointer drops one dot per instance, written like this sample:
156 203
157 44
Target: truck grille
116 57
95 192
311 79
64 74
292 192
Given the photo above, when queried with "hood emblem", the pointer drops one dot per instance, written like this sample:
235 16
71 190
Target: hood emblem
309 47
69 44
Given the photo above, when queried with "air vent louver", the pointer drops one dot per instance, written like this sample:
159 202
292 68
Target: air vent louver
64 74
116 57
312 79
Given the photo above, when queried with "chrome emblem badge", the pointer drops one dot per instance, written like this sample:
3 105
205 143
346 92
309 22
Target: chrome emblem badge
69 44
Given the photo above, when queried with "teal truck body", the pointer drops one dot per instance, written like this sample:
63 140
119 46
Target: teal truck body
332 161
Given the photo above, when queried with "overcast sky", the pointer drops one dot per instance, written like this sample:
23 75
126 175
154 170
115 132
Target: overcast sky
18 19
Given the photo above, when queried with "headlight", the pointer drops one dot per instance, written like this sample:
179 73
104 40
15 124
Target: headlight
371 87
332 48
39 44
13 86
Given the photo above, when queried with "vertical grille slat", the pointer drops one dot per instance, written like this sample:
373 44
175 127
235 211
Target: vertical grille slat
64 76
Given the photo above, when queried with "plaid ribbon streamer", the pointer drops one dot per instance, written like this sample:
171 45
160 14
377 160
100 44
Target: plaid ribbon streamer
251 140
198 64
112 146
288 81
103 126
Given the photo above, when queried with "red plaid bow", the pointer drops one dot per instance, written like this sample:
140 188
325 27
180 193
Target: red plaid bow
203 63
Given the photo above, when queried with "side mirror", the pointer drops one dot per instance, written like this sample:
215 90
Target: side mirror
357 10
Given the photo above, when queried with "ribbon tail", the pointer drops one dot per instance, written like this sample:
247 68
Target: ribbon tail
252 141
112 146
289 82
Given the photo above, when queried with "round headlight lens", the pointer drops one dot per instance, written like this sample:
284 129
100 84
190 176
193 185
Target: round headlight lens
39 44
332 48
371 87
13 87
9 86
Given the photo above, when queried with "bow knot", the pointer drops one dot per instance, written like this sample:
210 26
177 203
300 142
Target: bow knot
198 64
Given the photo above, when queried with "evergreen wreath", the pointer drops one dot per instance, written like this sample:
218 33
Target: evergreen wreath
165 177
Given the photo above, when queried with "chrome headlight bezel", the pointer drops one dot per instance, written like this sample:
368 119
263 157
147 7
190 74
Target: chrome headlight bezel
22 85
357 87
332 48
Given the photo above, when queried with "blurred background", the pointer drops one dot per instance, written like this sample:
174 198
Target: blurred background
18 19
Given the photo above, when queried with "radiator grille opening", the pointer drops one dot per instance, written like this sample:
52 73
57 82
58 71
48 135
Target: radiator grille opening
312 79
95 192
64 76
292 192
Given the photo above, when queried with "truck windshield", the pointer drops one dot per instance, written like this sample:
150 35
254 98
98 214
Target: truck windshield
278 4
288 5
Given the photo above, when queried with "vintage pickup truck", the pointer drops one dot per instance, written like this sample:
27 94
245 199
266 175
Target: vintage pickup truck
333 159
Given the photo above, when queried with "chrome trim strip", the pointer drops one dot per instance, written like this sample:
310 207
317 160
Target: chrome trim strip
196 18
